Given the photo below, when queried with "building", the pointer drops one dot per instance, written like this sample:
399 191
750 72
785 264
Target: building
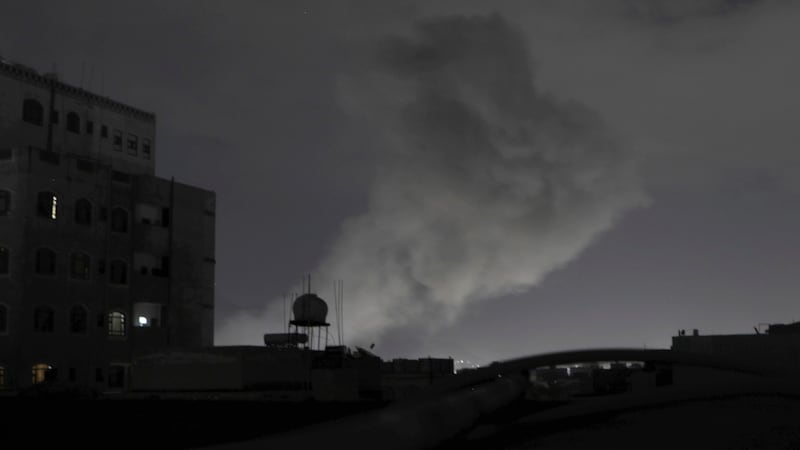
100 260
777 349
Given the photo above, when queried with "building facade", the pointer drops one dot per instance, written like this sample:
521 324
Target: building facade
778 348
100 260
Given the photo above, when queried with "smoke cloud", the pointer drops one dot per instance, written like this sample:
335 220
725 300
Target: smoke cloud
484 183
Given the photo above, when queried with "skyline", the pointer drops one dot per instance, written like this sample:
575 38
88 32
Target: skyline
713 248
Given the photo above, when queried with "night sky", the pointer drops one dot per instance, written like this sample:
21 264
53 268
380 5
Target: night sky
489 179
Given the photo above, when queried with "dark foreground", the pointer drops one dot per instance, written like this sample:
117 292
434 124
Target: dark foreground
114 423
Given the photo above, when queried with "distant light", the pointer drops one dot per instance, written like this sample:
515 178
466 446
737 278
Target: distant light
142 321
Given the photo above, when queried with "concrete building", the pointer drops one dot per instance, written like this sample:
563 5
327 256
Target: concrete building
778 348
100 260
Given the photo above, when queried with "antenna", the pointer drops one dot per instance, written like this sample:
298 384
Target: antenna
341 306
336 309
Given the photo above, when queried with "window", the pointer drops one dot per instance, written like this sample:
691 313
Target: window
98 375
50 157
116 324
45 261
119 220
73 122
5 261
146 315
118 272
78 318
33 112
3 319
43 319
54 117
101 267
6 154
5 202
146 148
89 127
133 144
73 374
104 132
117 140
120 177
47 205
116 376
83 212
80 266
39 373
165 215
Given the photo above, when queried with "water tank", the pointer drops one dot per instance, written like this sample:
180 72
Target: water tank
310 310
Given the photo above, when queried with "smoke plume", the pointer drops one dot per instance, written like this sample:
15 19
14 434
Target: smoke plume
484 183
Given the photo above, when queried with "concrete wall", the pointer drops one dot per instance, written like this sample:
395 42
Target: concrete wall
779 351
16 85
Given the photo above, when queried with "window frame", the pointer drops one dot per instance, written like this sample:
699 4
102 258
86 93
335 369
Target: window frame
73 122
51 211
111 325
4 319
37 263
39 327
5 250
147 148
133 144
8 202
33 111
81 205
87 267
127 221
116 140
71 326
125 274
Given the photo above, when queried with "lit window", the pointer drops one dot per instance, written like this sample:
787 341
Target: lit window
39 373
83 212
118 272
5 261
142 321
33 112
3 319
77 319
73 122
45 261
116 324
43 319
47 205
5 202
80 267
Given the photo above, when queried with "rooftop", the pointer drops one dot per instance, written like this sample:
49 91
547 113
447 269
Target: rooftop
30 75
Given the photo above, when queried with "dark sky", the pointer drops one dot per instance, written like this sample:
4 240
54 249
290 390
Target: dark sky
489 181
